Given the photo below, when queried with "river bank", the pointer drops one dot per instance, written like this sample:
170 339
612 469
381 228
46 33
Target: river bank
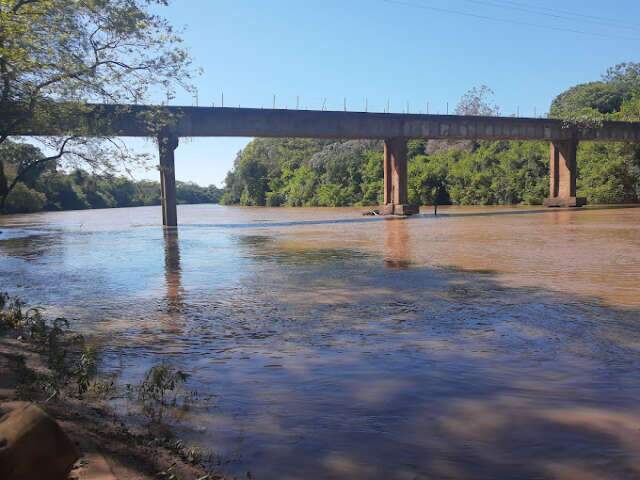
111 449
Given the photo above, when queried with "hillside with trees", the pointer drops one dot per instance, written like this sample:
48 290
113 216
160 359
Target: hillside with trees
301 172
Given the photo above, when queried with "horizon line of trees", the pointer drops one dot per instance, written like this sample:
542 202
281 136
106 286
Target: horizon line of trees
49 188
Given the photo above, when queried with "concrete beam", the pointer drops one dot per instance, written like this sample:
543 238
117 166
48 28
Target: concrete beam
145 121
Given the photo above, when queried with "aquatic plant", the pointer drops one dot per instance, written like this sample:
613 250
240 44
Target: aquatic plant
154 391
86 369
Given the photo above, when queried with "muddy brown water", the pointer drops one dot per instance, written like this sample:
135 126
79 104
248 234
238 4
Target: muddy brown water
484 343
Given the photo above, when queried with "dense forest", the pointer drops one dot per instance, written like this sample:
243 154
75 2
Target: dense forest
297 172
51 188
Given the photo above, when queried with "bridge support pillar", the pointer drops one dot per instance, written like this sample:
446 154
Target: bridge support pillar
396 187
167 145
563 173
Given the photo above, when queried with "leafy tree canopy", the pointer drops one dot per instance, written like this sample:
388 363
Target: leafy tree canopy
77 51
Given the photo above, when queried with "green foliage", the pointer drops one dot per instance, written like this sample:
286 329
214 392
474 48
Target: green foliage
11 312
301 187
274 199
337 173
86 369
302 172
499 173
350 173
609 173
69 52
372 175
428 180
626 76
23 199
47 188
589 98
160 381
72 362
333 195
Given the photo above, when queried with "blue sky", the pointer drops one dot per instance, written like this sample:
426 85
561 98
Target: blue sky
414 51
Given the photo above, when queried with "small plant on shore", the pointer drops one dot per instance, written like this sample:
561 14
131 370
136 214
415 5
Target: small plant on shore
189 453
11 314
155 391
86 369
54 341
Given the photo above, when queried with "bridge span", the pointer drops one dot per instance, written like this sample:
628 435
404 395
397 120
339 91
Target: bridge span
168 124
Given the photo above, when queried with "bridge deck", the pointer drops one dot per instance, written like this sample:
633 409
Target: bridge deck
141 121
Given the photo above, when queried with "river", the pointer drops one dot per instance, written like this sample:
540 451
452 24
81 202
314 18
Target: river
481 343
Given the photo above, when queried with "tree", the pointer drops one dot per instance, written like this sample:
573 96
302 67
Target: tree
477 101
428 180
588 99
609 172
625 76
25 200
69 52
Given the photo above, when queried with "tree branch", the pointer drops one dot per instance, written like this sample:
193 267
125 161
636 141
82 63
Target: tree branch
21 3
23 171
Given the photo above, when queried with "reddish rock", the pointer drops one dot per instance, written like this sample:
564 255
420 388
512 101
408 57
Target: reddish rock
32 444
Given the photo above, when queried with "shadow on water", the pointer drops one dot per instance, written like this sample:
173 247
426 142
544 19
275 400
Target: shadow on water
412 386
264 248
407 371
362 363
529 211
29 245
442 212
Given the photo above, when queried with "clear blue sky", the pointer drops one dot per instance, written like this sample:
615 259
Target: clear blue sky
414 51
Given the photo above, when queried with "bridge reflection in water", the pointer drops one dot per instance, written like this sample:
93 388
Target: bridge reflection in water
396 244
173 270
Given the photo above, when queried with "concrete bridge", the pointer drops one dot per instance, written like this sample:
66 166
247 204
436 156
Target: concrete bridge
168 124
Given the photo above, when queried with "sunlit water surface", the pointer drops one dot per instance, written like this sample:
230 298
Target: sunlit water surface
484 343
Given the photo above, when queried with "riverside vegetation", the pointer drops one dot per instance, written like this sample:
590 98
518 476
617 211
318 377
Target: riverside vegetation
301 172
49 187
71 373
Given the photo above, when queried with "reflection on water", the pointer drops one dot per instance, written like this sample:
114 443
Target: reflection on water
484 343
172 270
396 243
